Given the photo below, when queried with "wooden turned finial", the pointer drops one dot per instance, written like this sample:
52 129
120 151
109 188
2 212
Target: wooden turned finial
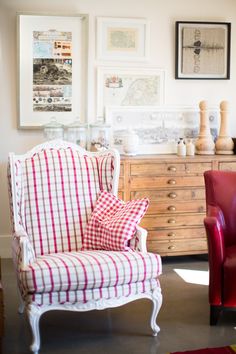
224 106
204 144
224 143
203 105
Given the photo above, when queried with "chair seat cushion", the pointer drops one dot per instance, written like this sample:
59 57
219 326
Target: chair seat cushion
229 276
83 270
83 296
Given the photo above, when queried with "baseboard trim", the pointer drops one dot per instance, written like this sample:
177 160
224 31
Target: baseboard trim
5 246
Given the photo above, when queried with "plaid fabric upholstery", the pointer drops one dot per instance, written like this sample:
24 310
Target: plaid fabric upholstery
69 271
54 195
78 296
60 188
113 223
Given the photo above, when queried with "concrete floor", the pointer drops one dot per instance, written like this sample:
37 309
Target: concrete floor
184 320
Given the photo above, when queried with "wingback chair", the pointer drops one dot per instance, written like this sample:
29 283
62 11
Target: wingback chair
220 225
60 258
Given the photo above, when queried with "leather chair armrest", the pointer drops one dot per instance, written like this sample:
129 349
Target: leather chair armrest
216 253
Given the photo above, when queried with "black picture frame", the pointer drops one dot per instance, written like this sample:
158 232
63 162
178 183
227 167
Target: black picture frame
202 50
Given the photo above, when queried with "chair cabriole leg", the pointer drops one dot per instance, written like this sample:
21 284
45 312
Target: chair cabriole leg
214 314
21 307
34 315
157 302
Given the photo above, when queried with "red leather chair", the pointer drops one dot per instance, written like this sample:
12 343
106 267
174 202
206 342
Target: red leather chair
220 225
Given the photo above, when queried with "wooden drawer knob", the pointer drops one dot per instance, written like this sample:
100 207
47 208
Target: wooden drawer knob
171 234
171 208
172 195
171 247
172 168
171 181
171 221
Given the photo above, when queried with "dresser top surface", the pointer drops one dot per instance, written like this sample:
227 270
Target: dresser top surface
166 157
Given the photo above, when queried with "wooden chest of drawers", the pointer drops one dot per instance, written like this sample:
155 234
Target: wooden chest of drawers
175 187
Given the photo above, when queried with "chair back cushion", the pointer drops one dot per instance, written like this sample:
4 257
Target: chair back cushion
60 188
221 193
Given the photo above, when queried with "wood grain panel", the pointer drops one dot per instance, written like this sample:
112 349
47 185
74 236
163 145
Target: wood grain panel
150 169
181 220
166 248
176 233
227 166
168 195
164 182
197 206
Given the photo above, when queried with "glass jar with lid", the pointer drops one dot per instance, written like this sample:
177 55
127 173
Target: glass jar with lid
53 130
100 136
77 133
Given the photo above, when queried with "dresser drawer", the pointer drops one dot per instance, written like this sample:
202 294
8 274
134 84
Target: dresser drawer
166 182
227 166
184 233
177 220
169 169
154 169
166 248
170 195
198 167
197 206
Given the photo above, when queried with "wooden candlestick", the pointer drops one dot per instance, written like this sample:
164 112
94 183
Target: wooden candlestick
204 144
224 143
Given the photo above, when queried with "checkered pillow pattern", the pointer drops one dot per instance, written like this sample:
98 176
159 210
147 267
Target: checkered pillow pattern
113 223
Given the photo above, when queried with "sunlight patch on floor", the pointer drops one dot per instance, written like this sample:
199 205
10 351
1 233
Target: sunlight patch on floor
200 277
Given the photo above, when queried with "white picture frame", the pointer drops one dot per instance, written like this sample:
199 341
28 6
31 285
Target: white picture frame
123 39
159 127
129 86
52 68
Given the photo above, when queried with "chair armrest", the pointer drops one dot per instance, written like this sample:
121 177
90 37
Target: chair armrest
216 255
23 250
138 242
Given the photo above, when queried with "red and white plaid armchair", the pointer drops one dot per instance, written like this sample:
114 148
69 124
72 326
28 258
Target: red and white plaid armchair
76 246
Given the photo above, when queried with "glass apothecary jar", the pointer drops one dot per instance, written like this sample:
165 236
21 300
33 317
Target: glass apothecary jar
53 130
100 136
77 133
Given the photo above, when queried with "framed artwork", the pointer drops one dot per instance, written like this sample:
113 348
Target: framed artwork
202 50
122 39
158 128
52 68
119 86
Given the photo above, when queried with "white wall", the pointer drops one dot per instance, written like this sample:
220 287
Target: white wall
162 15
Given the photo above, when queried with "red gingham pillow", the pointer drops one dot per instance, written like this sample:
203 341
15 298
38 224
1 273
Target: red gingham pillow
113 223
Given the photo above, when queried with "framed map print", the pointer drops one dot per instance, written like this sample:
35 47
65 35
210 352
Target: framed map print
158 127
122 39
51 62
129 87
202 50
